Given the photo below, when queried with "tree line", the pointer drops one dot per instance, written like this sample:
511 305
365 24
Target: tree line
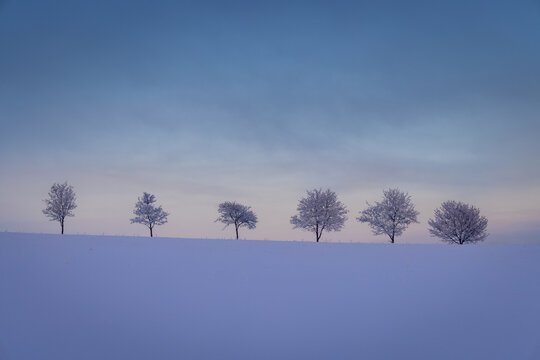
320 210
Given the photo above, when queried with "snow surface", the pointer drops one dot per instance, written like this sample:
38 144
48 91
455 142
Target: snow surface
101 297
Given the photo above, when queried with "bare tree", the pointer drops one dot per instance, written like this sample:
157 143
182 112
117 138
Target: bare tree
147 214
60 204
232 213
392 215
458 223
318 211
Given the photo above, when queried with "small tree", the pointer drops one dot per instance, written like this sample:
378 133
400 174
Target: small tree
318 211
147 214
60 204
232 213
458 223
392 215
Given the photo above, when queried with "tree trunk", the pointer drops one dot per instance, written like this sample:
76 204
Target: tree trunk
151 235
236 227
62 226
317 236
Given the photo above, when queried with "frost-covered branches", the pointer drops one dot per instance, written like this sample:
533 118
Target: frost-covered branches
458 223
318 211
147 214
60 204
232 213
392 215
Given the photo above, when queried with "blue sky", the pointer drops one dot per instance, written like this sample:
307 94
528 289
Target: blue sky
201 102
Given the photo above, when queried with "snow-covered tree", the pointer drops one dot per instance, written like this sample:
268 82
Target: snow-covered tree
392 215
318 211
458 223
232 213
148 214
60 204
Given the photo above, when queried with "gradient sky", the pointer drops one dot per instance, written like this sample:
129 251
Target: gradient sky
201 102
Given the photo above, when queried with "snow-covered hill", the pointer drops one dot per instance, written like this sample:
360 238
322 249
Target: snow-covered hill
100 297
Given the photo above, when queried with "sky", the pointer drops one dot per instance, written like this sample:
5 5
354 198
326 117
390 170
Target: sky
200 102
